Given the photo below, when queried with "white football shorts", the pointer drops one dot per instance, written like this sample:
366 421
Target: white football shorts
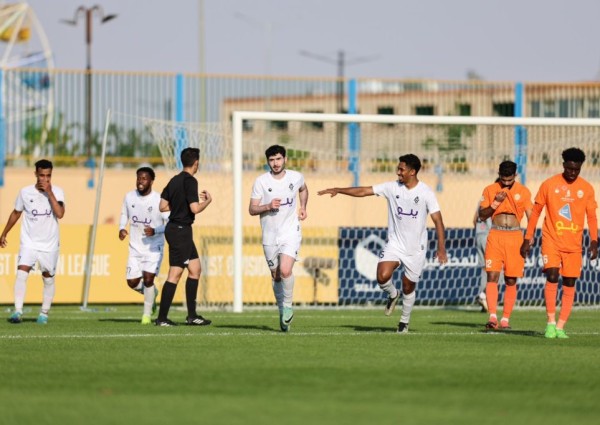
46 260
137 264
413 264
289 247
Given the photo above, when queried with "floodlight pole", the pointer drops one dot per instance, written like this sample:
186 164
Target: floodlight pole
341 62
88 14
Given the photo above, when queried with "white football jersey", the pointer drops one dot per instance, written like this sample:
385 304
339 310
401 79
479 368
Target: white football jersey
283 223
39 228
141 211
407 214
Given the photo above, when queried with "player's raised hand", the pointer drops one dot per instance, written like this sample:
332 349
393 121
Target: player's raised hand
501 196
332 191
526 247
442 256
302 214
205 196
275 204
593 250
44 186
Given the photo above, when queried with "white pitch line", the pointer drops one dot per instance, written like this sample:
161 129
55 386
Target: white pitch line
269 334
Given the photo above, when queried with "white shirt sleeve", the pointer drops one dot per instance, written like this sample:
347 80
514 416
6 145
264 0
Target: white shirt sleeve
124 216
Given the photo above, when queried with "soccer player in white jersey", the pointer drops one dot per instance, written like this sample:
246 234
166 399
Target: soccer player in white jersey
44 205
146 238
409 203
275 198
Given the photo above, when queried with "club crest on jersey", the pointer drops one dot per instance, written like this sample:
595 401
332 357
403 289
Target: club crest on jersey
270 190
291 186
580 194
150 209
416 200
565 212
132 205
517 196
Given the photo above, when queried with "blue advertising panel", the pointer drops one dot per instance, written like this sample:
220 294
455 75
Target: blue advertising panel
456 282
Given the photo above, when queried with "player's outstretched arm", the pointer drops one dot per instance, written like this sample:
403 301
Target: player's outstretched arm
12 220
440 231
357 192
303 195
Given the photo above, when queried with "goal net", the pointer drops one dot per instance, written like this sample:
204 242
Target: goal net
342 236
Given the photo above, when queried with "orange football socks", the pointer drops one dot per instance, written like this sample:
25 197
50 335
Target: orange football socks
510 297
568 296
491 293
550 291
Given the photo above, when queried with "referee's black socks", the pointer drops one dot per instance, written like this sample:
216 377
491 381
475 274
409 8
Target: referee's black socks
166 299
191 290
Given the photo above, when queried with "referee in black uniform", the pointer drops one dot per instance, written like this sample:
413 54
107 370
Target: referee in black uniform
181 198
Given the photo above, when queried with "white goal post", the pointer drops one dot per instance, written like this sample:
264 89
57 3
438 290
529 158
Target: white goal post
519 154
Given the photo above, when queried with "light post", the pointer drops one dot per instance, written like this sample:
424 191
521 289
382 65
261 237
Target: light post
341 62
88 13
267 27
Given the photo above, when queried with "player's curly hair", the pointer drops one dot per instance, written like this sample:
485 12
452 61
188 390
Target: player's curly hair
574 155
43 164
507 168
274 150
412 161
148 170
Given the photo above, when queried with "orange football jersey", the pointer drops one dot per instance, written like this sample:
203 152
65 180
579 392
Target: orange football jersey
566 208
516 203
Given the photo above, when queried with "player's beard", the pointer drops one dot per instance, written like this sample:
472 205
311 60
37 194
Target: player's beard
276 173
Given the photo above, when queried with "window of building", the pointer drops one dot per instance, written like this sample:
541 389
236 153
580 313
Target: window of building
506 109
464 109
593 108
424 110
535 109
576 108
278 125
549 109
386 110
247 125
314 125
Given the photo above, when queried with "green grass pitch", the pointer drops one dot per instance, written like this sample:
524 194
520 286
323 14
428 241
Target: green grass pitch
334 367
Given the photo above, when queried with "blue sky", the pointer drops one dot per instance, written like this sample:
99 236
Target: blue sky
533 40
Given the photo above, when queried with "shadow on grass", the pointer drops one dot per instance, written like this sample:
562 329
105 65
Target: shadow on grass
460 324
362 328
117 320
483 330
248 327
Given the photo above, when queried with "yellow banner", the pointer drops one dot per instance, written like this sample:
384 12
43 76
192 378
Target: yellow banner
108 283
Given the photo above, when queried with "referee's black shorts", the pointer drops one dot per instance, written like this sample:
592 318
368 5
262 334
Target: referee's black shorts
181 245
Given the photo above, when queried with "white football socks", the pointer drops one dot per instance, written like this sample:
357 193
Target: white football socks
408 301
20 287
288 291
49 290
389 288
148 300
278 292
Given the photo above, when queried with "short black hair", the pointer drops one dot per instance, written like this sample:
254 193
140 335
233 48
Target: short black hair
274 150
574 155
148 170
507 168
412 161
189 156
43 164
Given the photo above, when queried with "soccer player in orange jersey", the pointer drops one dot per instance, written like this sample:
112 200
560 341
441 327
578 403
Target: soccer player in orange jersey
568 199
505 201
